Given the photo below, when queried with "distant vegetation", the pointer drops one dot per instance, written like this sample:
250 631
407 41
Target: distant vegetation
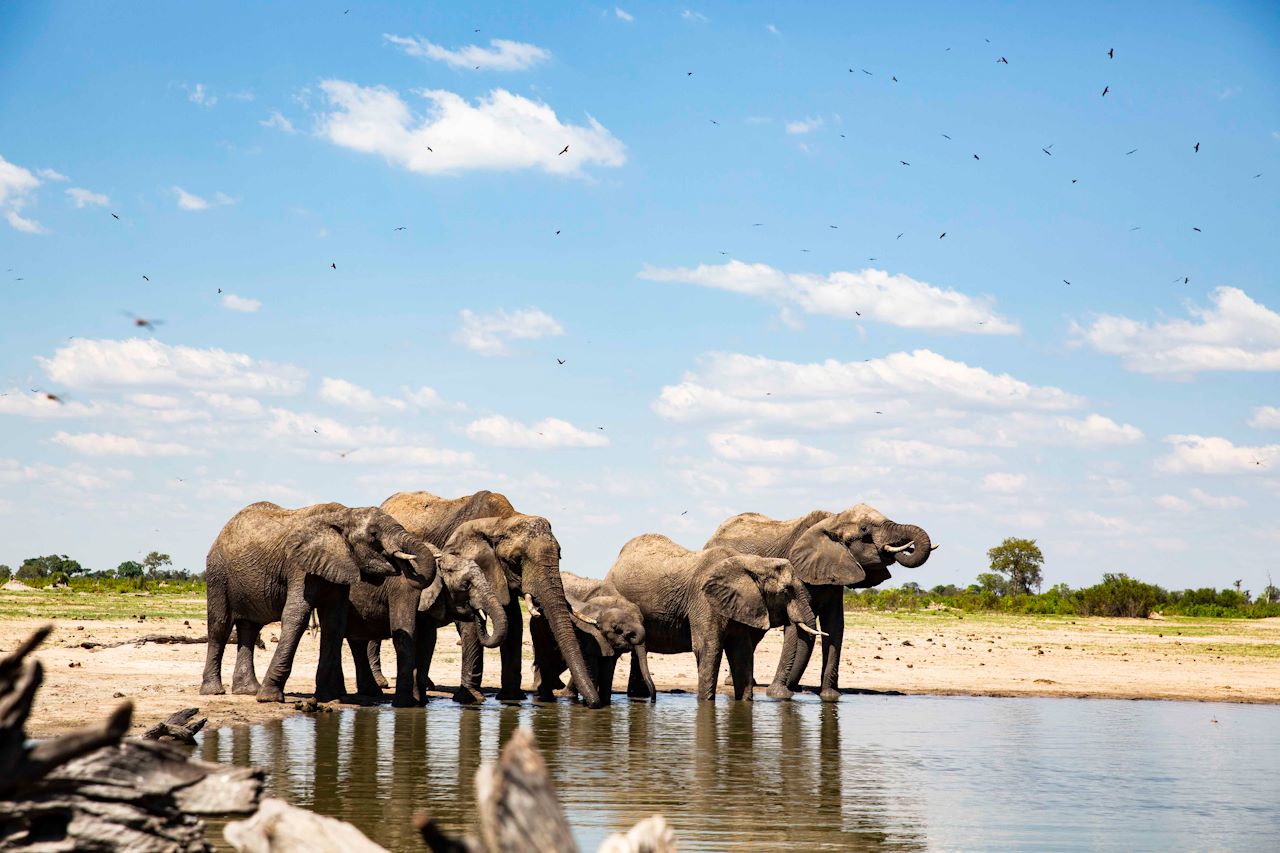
152 574
1016 570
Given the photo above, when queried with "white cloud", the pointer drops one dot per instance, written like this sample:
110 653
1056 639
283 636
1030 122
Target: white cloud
85 363
747 448
73 478
801 126
1097 429
1102 523
109 444
916 453
502 131
501 55
1215 455
240 303
623 15
831 393
198 94
303 426
83 198
232 407
695 17
1265 417
16 401
16 187
189 201
340 392
429 457
771 28
1004 482
488 334
868 294
429 398
279 122
154 401
1236 333
1218 501
51 175
1173 503
550 432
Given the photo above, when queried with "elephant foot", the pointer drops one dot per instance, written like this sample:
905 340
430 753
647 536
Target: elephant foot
329 694
381 680
245 688
399 701
212 688
271 694
512 694
829 694
466 695
778 691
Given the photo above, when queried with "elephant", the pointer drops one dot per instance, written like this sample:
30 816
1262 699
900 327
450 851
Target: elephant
271 564
828 551
608 626
410 616
712 602
521 557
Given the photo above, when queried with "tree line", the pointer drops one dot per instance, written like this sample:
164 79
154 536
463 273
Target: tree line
61 569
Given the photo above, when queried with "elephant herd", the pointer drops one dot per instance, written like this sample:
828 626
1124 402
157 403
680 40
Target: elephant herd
419 562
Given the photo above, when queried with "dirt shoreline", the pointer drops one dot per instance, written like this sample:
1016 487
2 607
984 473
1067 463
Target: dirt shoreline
927 654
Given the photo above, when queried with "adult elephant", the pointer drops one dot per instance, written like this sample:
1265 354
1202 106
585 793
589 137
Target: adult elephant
395 608
712 602
271 564
521 556
828 551
608 627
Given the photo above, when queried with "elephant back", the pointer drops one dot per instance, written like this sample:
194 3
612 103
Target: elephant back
754 533
434 518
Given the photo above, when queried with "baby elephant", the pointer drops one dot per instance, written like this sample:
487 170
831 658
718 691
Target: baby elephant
607 626
714 603
392 609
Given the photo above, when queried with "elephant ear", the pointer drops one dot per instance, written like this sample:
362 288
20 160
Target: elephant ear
469 541
322 551
734 592
431 599
818 557
587 623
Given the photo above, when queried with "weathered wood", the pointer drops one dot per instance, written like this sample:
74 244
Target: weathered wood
178 727
278 827
161 639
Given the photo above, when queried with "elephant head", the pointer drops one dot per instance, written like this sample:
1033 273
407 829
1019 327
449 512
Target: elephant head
617 626
520 554
856 547
342 544
470 597
761 592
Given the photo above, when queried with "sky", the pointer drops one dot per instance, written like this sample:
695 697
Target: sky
908 255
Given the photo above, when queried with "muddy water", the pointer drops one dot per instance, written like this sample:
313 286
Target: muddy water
871 773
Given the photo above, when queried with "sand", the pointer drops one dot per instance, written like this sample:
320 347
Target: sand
1204 660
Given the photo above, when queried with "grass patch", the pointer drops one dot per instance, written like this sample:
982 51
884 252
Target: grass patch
100 605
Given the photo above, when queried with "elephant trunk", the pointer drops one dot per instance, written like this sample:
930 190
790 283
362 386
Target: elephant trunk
549 591
488 606
799 609
641 654
909 544
411 557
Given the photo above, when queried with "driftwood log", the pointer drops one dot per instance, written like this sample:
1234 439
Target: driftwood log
90 790
178 727
161 639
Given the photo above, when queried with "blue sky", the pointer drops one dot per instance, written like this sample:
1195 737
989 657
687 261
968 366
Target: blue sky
1129 421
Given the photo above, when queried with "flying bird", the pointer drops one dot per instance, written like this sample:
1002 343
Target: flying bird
564 150
143 323
115 216
560 361
1073 180
401 228
943 234
1111 54
1002 59
1046 149
868 73
429 148
59 400
859 313
600 428
837 227
343 454
144 278
904 162
1127 153
976 157
688 74
1193 228
219 289
756 224
1067 283
713 121
894 79
1105 89
557 230
944 136
686 512
1136 228
1197 148
334 266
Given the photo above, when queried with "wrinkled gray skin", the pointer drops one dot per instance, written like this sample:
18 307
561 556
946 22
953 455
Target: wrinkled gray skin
521 556
608 626
271 564
394 608
712 602
828 551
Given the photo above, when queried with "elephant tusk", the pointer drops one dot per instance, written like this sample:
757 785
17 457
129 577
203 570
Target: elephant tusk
934 547
895 549
585 618
403 556
814 631
484 617
533 608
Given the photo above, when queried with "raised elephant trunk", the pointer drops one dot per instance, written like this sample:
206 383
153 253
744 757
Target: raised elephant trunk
488 606
412 558
909 544
799 613
549 592
641 655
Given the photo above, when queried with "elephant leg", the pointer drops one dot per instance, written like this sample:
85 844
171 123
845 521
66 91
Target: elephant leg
708 653
636 688
741 655
472 665
424 649
219 618
781 686
546 660
293 621
330 683
244 681
375 664
510 650
831 620
604 679
365 683
404 623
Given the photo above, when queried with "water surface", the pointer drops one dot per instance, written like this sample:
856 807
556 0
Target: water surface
870 773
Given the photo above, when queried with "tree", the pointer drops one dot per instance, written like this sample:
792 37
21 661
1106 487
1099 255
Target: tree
912 588
43 567
129 569
1020 560
5 573
1270 594
992 583
153 561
